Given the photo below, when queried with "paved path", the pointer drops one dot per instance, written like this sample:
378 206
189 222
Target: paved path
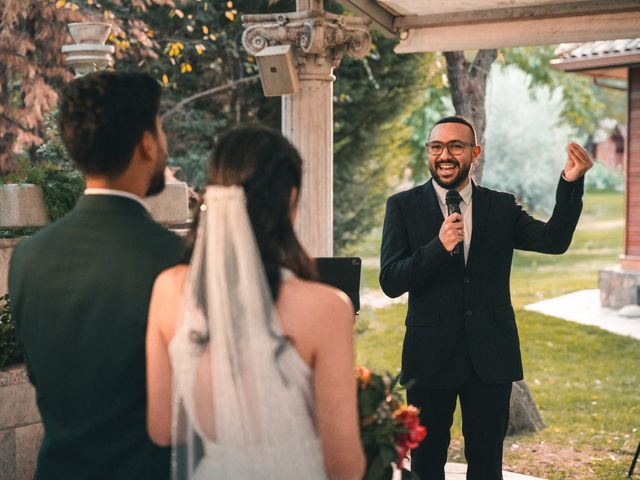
584 307
458 471
374 298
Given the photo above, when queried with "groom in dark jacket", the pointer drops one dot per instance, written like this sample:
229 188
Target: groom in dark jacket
80 287
461 339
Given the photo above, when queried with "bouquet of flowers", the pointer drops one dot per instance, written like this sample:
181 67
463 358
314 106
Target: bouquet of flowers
388 428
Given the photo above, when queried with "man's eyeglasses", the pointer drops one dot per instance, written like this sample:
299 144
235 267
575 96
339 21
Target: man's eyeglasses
455 147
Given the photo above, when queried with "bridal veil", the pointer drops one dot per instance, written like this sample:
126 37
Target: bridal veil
243 397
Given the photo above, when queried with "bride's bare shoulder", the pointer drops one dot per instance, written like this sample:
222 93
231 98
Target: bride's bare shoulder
171 280
317 297
166 300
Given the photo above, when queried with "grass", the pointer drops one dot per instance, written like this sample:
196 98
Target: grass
584 380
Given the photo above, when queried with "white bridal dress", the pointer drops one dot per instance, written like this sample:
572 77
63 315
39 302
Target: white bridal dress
243 398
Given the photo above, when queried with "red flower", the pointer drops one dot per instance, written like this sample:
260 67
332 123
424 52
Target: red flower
387 427
414 432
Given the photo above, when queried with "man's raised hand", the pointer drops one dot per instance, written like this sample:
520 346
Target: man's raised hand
578 162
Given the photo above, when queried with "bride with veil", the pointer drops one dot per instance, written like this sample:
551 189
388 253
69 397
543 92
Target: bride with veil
249 361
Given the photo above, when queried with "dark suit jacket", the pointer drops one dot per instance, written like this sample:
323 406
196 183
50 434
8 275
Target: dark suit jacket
80 292
460 318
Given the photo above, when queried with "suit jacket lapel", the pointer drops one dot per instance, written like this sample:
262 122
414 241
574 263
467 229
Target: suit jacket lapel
481 207
429 214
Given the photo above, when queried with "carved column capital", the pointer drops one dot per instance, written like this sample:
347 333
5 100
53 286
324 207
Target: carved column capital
320 39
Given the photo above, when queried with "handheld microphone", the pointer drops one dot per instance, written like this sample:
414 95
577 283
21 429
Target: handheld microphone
452 199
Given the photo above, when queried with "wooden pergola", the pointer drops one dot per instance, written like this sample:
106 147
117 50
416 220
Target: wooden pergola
426 25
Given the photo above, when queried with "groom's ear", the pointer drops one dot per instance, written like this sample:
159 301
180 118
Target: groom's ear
146 147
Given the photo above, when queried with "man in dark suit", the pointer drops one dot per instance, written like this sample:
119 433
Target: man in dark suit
461 338
80 287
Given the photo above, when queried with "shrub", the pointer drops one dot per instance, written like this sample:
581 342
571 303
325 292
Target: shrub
61 184
9 352
525 139
601 177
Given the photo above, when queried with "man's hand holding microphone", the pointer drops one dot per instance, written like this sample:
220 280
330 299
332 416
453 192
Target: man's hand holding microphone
452 230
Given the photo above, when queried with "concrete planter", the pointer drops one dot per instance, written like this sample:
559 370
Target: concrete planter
171 207
20 428
22 206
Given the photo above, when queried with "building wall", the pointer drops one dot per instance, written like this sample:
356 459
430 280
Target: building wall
631 257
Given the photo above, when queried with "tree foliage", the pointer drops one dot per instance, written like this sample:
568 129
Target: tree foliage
525 140
31 70
373 97
583 102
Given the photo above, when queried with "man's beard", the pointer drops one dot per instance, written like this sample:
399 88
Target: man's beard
463 174
156 185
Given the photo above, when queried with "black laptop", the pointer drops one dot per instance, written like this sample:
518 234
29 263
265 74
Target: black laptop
342 273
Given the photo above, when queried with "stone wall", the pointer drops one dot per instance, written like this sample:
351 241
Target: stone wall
20 428
618 287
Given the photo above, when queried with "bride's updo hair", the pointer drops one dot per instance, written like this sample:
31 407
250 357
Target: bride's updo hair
268 167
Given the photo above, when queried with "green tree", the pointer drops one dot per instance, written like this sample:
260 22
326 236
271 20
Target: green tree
31 70
373 97
584 102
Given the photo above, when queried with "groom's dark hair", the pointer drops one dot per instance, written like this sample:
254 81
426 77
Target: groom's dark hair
103 116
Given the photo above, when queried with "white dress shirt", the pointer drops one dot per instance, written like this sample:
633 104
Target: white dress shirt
466 207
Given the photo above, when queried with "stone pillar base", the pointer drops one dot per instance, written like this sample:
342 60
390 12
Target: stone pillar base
618 287
20 429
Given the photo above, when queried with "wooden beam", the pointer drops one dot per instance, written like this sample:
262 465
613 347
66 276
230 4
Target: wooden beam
446 18
596 61
425 7
583 28
381 19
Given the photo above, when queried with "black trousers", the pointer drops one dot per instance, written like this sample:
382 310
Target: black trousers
485 417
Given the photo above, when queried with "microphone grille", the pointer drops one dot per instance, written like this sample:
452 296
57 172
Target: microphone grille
453 196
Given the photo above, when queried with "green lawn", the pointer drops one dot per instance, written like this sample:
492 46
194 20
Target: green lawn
586 381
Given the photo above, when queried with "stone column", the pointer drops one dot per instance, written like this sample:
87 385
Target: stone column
320 39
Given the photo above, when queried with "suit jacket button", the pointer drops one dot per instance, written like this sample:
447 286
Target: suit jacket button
468 313
467 280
